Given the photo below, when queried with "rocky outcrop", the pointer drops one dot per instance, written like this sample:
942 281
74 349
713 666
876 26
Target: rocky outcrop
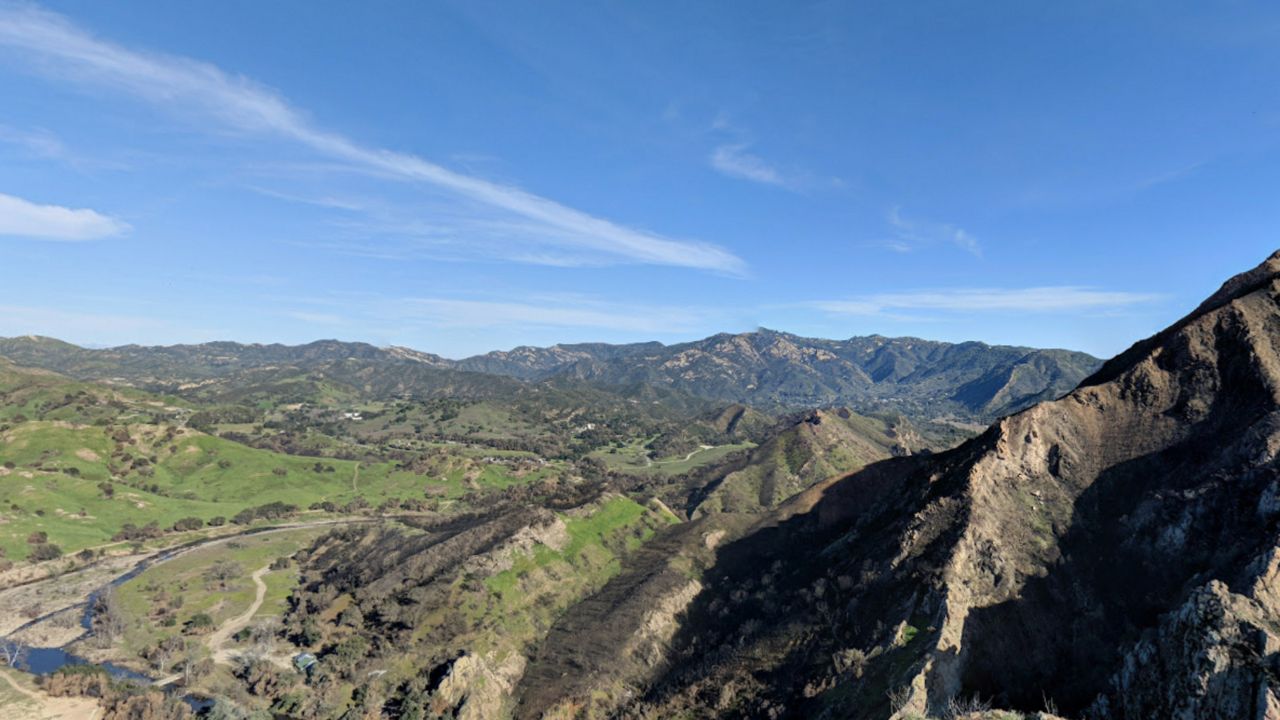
1106 553
477 688
1216 656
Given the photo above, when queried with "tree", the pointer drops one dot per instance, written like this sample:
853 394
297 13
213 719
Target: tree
108 617
43 552
200 623
188 523
222 571
194 665
12 652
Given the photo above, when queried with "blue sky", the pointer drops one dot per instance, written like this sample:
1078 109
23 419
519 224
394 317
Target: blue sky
460 177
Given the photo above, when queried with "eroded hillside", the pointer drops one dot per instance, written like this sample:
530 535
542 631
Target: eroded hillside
1110 554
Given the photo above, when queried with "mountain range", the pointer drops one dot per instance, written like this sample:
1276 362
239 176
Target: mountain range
1111 554
765 369
1107 551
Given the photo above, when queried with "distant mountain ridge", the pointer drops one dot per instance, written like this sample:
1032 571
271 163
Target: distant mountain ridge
764 368
767 368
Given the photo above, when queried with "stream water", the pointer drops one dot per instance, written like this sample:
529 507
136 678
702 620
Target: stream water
42 661
45 660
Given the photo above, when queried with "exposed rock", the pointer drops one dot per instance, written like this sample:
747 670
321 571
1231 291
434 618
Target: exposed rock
477 688
1111 552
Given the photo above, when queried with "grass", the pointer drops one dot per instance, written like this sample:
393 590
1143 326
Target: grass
515 606
182 581
58 468
634 457
15 704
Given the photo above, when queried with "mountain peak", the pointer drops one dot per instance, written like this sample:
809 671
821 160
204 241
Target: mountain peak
1242 284
1239 286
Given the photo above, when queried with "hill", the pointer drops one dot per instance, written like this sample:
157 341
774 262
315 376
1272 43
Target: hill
818 445
1112 554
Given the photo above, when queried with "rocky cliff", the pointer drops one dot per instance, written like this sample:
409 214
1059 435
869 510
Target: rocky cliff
1109 555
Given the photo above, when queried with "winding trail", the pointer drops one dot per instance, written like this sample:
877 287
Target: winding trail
230 627
220 636
51 708
687 458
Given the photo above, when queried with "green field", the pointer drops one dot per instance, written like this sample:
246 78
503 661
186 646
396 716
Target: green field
179 588
53 478
525 598
634 457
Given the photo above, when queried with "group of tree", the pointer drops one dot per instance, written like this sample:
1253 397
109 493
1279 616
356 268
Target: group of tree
41 549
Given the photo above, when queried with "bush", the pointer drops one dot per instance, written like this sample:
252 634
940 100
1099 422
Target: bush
270 511
188 523
43 552
132 532
199 623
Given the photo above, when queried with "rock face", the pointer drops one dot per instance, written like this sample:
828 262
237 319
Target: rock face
1111 554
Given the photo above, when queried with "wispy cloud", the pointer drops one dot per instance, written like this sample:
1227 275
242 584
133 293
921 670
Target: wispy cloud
1033 300
565 311
42 144
76 326
313 318
736 162
570 313
23 218
910 234
50 43
38 143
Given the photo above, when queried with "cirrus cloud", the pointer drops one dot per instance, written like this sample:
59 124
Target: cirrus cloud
48 43
1051 299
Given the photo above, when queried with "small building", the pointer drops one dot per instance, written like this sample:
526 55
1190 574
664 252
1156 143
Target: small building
305 662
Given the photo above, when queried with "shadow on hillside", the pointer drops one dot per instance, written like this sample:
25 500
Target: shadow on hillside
760 605
1143 535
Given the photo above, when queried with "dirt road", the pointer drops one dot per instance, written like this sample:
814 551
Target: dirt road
234 625
218 638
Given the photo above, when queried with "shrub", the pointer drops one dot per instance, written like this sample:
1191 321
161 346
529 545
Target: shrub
45 551
188 523
132 532
270 511
199 623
